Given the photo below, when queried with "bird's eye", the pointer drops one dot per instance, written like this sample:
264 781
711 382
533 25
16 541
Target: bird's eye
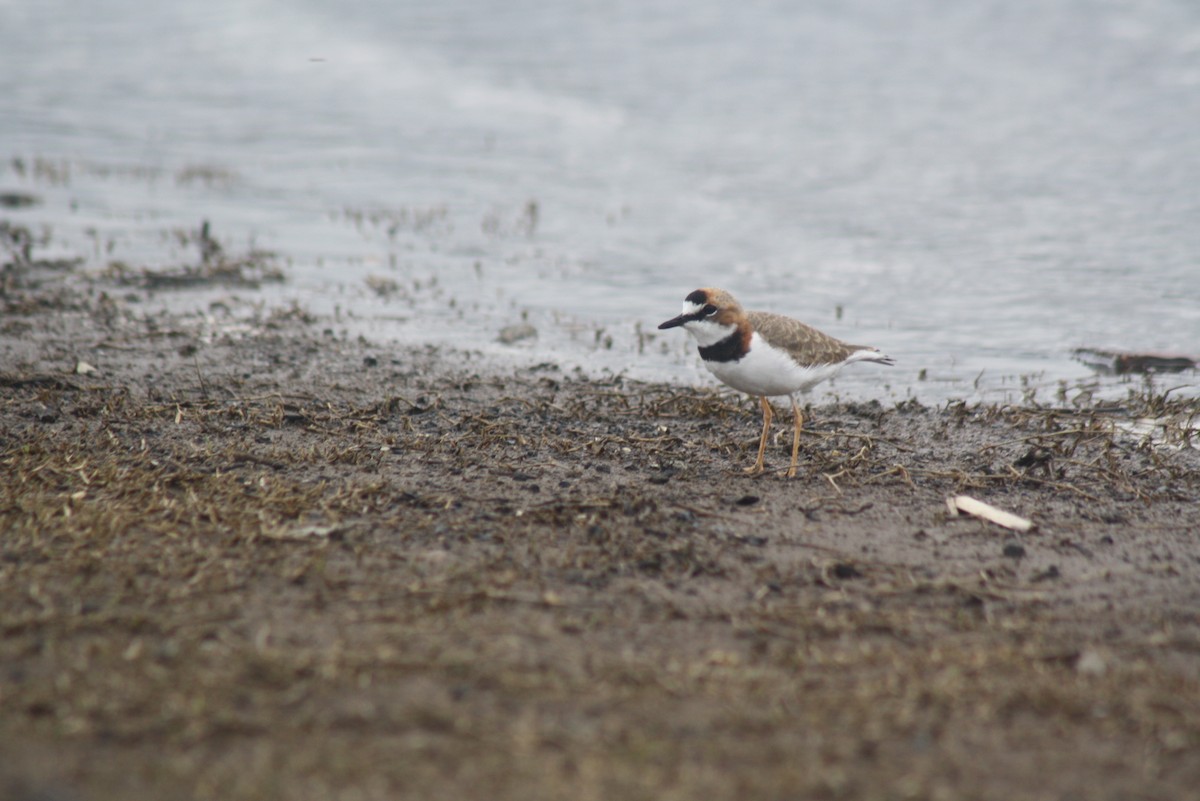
709 310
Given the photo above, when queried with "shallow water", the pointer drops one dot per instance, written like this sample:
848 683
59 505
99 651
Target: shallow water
976 188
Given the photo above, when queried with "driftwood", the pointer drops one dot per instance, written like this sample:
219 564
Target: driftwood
977 508
1120 362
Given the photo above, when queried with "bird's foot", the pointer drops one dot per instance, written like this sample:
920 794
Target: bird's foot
754 470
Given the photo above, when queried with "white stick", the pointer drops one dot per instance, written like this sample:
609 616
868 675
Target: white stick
966 503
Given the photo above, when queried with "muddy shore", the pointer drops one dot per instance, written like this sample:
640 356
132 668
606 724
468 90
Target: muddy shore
244 557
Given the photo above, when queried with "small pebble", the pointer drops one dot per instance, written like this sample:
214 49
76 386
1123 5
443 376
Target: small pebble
515 333
1014 550
1091 662
845 570
1048 574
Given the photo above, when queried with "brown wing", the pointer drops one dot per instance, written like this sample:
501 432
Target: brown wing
806 344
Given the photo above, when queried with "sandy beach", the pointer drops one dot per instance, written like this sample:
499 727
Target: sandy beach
265 561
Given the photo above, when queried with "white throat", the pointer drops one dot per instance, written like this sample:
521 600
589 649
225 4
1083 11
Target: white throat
708 332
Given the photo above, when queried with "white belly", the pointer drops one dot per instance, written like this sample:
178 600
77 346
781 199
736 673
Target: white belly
768 372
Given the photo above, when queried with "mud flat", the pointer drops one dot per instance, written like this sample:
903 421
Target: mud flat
243 557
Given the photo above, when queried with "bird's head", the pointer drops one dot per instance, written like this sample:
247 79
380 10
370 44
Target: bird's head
709 315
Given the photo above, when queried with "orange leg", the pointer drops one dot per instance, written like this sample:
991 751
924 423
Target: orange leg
791 473
762 443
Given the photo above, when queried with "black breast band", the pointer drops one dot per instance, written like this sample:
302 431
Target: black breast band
728 349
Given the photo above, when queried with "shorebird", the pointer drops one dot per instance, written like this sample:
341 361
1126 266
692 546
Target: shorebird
765 355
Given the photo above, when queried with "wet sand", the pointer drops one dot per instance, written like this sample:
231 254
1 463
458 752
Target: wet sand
249 558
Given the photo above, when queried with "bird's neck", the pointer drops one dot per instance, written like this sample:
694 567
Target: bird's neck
723 343
727 350
708 333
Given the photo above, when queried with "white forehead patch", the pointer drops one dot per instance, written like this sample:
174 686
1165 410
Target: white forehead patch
691 308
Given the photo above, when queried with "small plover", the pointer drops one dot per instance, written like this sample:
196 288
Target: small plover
764 355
